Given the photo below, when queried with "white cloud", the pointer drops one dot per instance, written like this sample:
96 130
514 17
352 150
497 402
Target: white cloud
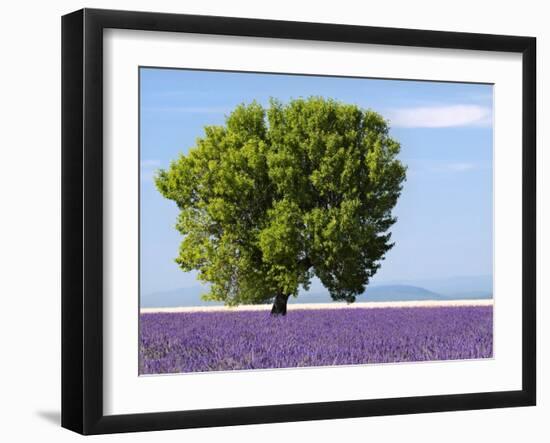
150 163
461 167
190 109
441 116
420 167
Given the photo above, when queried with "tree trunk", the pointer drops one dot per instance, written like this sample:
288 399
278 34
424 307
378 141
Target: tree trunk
279 304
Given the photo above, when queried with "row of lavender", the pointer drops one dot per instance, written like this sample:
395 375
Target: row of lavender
217 341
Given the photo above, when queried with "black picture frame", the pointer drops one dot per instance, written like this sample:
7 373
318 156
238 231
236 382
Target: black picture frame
82 215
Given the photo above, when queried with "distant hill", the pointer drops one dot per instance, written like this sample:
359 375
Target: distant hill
398 293
181 297
458 287
375 293
462 285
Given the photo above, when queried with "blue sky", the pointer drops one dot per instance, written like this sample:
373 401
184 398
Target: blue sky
444 226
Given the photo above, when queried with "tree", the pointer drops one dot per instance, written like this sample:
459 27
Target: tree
279 195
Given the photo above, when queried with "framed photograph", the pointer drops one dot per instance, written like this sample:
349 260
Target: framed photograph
269 221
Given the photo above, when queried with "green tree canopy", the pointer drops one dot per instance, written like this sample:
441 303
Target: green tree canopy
279 195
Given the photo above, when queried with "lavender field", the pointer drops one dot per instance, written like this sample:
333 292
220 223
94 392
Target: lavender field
220 341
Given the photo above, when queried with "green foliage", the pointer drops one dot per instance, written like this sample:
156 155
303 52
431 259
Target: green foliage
277 196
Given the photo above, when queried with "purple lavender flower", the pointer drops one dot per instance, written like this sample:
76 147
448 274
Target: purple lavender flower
219 341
